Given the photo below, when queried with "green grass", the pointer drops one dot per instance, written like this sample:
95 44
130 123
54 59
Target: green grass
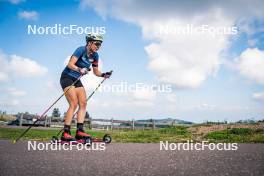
237 135
34 134
171 134
178 130
241 131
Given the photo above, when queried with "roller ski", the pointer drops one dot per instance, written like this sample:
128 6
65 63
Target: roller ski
80 137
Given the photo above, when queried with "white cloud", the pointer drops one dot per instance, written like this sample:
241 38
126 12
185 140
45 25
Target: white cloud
100 6
18 66
51 85
258 96
183 60
172 97
3 77
142 103
205 106
90 81
66 61
129 102
185 64
28 15
186 60
9 102
144 95
24 67
15 92
4 69
251 64
138 98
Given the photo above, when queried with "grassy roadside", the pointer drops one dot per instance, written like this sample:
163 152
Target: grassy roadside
175 134
240 135
172 134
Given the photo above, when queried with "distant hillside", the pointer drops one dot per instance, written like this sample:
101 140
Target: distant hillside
168 121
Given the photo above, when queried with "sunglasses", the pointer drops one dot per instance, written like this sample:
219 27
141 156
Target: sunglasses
97 43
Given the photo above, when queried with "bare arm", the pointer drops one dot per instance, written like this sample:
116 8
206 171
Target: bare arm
97 72
72 63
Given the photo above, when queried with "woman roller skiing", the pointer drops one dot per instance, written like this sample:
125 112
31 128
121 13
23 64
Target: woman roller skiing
79 64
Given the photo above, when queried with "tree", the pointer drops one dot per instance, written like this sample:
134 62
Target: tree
87 116
87 120
56 113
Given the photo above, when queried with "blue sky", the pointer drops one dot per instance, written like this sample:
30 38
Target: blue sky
212 78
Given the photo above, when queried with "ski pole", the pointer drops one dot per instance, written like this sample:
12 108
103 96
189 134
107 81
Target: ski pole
44 113
94 91
87 99
97 87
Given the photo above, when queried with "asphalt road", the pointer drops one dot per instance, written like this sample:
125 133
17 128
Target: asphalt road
130 159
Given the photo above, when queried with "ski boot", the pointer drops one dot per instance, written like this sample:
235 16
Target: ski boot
66 137
83 137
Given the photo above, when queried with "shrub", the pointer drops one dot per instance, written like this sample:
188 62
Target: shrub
240 131
178 130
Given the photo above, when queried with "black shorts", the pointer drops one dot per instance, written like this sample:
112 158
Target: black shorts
67 80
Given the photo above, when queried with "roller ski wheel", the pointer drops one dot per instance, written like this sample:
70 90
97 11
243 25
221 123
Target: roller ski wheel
87 140
83 137
54 139
107 139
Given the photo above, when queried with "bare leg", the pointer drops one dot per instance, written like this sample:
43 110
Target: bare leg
80 91
72 99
